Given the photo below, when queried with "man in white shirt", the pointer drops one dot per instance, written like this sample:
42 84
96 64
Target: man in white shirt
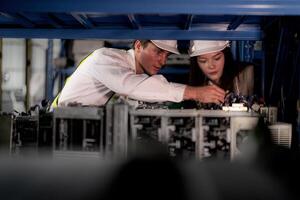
131 73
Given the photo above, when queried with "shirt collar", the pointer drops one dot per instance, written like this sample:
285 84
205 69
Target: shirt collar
131 53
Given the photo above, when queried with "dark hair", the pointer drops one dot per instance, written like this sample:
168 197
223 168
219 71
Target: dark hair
143 42
197 77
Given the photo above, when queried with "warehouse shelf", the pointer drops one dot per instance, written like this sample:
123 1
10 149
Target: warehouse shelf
148 19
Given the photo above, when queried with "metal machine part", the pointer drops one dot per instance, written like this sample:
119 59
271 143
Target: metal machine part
6 127
234 102
269 114
219 131
119 130
31 134
45 128
192 133
78 129
182 136
25 136
281 134
216 137
176 129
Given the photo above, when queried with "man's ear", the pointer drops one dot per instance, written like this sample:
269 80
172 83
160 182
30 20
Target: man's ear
138 45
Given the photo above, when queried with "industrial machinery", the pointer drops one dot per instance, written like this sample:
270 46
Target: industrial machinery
176 129
6 127
78 131
25 135
281 134
192 133
31 134
269 114
127 126
119 129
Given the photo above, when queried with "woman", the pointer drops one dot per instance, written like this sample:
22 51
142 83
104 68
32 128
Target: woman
212 64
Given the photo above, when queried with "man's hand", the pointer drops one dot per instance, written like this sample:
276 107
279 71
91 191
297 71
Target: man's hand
205 94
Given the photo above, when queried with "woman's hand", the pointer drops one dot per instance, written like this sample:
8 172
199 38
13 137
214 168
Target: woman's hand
205 94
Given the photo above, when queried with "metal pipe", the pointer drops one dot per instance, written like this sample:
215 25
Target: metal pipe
28 71
49 71
1 75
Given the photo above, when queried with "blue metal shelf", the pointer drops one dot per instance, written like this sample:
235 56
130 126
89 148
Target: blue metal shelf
141 19
137 19
206 7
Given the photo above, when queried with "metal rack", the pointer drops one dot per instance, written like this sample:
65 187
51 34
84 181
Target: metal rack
191 19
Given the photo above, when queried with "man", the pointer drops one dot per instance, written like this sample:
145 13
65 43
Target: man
130 73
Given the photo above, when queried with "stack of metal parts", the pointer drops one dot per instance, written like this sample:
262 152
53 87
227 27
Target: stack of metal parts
176 129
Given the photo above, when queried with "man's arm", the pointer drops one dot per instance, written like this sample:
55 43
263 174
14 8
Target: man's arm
115 73
205 94
118 77
156 88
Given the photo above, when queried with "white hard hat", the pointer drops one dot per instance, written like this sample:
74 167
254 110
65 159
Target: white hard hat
200 47
168 45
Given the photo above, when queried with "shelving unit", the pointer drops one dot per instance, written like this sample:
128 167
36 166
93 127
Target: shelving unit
148 19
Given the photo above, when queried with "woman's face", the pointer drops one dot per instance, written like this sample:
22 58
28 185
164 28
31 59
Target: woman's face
212 65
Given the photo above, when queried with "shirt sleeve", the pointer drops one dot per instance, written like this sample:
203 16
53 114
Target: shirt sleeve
120 78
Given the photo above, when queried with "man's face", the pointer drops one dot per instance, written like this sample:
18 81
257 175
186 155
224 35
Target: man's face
150 58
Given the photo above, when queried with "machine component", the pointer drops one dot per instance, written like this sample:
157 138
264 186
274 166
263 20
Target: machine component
269 114
182 136
242 128
78 129
235 107
176 129
119 129
160 105
6 127
234 102
25 135
32 134
215 139
45 131
281 134
203 134
220 131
